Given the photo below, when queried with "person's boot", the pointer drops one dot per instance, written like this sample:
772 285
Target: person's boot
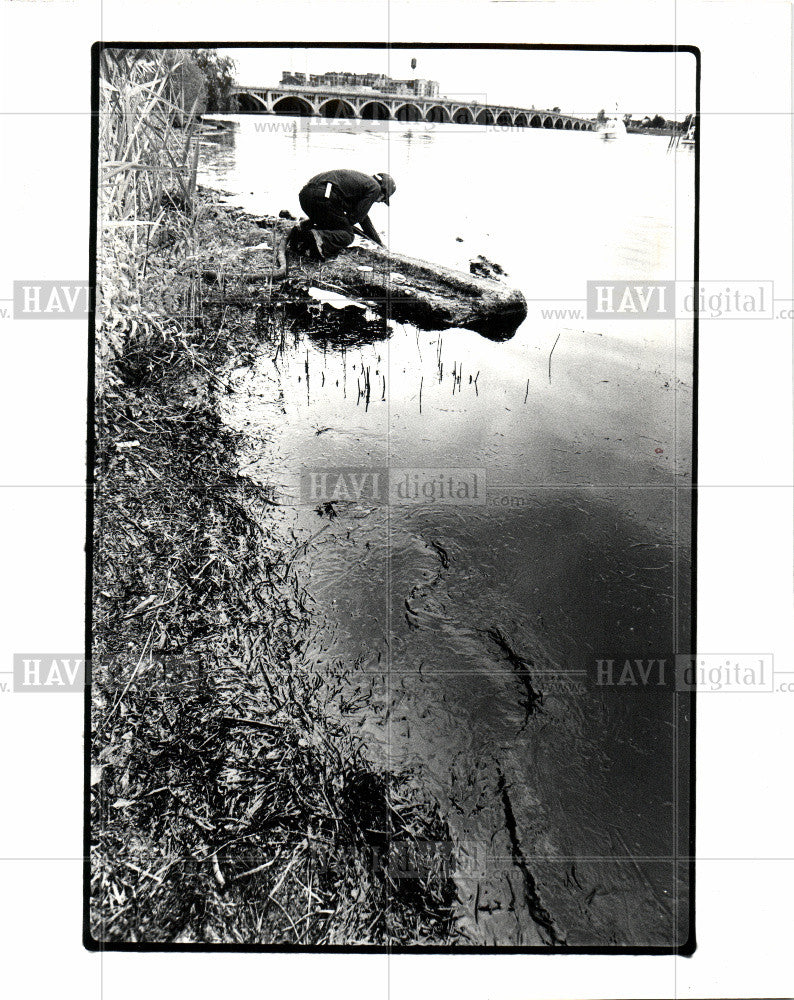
317 250
298 242
303 241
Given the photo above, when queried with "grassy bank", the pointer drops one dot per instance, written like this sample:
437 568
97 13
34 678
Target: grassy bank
230 802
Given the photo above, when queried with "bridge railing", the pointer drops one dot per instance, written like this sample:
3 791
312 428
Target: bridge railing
362 93
314 99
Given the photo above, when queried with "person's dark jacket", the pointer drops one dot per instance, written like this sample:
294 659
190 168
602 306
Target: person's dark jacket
355 193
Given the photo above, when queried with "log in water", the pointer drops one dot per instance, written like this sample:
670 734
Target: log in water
406 289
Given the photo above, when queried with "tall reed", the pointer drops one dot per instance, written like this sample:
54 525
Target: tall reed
148 157
142 151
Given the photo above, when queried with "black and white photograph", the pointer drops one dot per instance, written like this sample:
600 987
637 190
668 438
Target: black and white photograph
397 499
393 513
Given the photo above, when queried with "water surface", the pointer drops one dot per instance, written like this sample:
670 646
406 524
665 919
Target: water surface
582 549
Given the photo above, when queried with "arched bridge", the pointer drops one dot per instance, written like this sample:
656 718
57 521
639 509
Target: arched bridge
373 106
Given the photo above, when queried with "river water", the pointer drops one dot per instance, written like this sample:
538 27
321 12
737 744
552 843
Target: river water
570 819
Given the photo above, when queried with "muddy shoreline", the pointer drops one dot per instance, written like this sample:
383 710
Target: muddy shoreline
229 803
204 564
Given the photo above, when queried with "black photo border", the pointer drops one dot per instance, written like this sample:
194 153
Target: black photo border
688 705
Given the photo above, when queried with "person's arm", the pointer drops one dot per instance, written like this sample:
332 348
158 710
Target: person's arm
363 200
369 230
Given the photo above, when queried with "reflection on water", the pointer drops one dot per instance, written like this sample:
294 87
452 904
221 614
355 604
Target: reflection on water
448 615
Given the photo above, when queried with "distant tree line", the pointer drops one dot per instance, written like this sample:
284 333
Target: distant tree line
658 122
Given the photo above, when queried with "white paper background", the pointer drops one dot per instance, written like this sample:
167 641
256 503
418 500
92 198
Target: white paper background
745 871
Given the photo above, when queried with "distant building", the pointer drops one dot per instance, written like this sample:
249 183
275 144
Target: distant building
369 81
419 88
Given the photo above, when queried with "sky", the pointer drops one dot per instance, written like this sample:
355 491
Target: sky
581 83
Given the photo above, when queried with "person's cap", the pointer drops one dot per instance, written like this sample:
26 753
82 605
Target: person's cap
387 185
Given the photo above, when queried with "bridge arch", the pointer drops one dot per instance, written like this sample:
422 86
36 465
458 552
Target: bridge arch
375 111
437 114
293 106
337 108
249 104
393 107
462 116
408 113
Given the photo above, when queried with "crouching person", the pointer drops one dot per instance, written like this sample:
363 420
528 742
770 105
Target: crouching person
335 202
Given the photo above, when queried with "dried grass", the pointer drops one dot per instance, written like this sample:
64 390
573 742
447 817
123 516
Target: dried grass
231 802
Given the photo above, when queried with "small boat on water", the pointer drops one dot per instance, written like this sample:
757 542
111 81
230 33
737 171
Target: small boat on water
613 128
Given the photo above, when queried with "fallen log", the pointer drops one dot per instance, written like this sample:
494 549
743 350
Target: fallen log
406 289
